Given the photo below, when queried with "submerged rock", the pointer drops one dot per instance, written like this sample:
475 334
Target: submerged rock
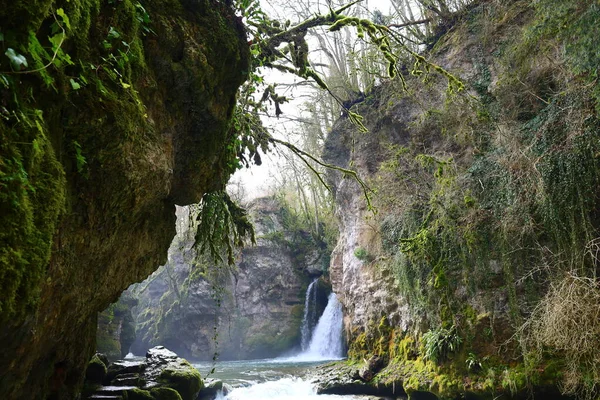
211 389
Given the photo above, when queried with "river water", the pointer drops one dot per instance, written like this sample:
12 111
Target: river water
282 378
271 379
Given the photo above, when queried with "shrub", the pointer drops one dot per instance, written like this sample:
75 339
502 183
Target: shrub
362 254
439 343
567 320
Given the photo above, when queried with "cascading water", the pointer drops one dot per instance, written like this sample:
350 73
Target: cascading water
310 314
326 342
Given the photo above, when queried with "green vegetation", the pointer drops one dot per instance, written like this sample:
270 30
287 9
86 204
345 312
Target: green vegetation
439 343
165 393
138 394
495 197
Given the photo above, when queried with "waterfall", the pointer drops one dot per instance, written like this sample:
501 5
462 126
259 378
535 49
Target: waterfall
310 314
326 342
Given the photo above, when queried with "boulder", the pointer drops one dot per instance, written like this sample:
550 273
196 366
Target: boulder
164 368
343 379
96 370
211 389
165 393
137 394
372 367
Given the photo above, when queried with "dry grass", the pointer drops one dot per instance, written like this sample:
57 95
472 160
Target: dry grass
567 320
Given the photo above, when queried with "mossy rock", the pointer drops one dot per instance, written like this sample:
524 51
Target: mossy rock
165 393
137 394
184 378
96 370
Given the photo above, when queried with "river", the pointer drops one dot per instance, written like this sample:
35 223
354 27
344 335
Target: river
284 378
271 379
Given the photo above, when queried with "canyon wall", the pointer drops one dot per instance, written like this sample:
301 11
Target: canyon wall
484 173
250 310
119 112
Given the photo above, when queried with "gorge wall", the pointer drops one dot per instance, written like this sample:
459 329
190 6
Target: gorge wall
251 310
487 208
119 111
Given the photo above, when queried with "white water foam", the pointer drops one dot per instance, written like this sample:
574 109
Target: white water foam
282 389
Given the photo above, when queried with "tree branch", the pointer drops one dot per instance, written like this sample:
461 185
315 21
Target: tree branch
410 23
304 156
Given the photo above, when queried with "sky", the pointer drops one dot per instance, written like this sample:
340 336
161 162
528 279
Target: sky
257 180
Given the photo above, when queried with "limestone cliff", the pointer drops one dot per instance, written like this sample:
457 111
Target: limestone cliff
487 204
112 113
252 310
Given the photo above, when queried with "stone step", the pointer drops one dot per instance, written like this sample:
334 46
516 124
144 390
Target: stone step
124 367
129 380
129 375
113 390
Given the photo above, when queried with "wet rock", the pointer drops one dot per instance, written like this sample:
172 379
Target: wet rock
162 375
343 379
165 368
123 367
372 367
211 389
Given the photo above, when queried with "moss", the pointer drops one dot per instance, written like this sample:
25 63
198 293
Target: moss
137 394
87 152
185 379
96 370
32 197
165 393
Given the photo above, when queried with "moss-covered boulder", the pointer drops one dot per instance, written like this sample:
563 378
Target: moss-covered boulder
165 368
184 378
96 370
137 394
165 393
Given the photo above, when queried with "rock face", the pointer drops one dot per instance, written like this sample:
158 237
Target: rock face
476 226
256 307
116 328
100 152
